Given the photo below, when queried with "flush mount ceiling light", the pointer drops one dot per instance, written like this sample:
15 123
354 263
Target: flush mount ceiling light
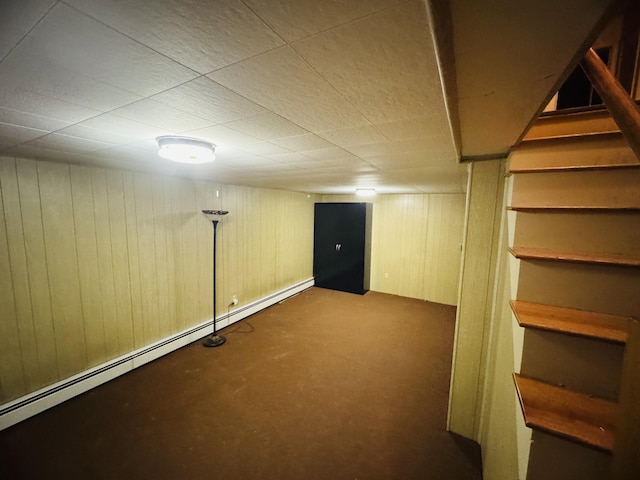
365 192
185 149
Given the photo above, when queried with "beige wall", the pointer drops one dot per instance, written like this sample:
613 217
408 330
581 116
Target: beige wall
96 263
416 244
477 291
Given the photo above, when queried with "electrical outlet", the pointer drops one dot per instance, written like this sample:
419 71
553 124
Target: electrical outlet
234 300
386 275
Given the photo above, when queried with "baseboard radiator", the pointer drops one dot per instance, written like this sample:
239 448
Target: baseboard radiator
52 395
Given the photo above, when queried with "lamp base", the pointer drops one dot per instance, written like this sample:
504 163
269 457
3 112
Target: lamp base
214 341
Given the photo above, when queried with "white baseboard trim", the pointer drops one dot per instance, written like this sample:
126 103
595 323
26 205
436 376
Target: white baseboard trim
29 405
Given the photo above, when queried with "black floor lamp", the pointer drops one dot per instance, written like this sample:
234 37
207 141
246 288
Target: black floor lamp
214 340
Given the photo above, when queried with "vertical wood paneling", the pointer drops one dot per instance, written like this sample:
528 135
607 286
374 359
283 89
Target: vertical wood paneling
444 241
481 237
101 262
20 274
143 188
13 380
160 220
120 259
38 275
228 249
204 252
415 245
135 288
88 264
62 264
105 261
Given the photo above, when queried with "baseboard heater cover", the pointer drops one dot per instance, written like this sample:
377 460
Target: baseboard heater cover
29 405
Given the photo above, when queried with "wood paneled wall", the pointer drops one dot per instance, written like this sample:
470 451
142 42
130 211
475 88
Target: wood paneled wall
416 244
96 263
477 290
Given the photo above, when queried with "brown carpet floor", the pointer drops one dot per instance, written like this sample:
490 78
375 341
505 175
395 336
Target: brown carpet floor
326 385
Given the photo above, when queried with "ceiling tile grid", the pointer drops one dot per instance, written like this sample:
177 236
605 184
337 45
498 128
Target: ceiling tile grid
302 95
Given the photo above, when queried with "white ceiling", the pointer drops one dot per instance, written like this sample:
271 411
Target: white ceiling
305 95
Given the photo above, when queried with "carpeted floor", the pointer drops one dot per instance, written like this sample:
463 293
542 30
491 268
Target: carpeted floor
326 385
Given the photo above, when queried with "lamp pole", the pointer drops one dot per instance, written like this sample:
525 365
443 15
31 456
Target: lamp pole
214 340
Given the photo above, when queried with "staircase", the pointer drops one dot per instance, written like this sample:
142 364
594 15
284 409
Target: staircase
576 198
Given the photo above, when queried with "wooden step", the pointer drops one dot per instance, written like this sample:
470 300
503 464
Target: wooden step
580 231
593 151
568 414
600 326
584 189
580 257
555 125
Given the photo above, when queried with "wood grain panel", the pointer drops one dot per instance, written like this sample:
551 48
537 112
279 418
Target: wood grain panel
62 264
444 243
105 261
12 377
143 187
88 265
415 245
481 238
120 260
135 289
20 274
38 274
102 262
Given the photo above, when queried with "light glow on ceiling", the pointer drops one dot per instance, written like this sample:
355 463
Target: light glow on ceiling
186 149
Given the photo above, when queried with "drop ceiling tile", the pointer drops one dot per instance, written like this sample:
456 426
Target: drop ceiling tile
88 133
411 160
17 17
72 57
11 135
204 35
207 99
267 126
383 64
149 145
44 77
354 136
308 141
37 152
128 154
391 148
67 143
29 120
290 158
160 115
264 148
31 103
227 152
429 126
248 162
295 19
223 136
284 83
433 179
123 127
333 153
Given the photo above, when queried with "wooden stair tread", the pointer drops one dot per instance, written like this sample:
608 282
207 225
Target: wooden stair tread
602 208
565 413
562 168
582 257
601 326
564 136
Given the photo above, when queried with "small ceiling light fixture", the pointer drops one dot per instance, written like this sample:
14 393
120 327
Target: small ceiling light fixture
185 149
365 192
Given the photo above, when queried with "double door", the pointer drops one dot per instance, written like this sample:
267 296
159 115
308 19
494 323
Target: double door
342 246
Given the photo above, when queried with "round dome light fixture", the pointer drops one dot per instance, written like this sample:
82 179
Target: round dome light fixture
185 149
